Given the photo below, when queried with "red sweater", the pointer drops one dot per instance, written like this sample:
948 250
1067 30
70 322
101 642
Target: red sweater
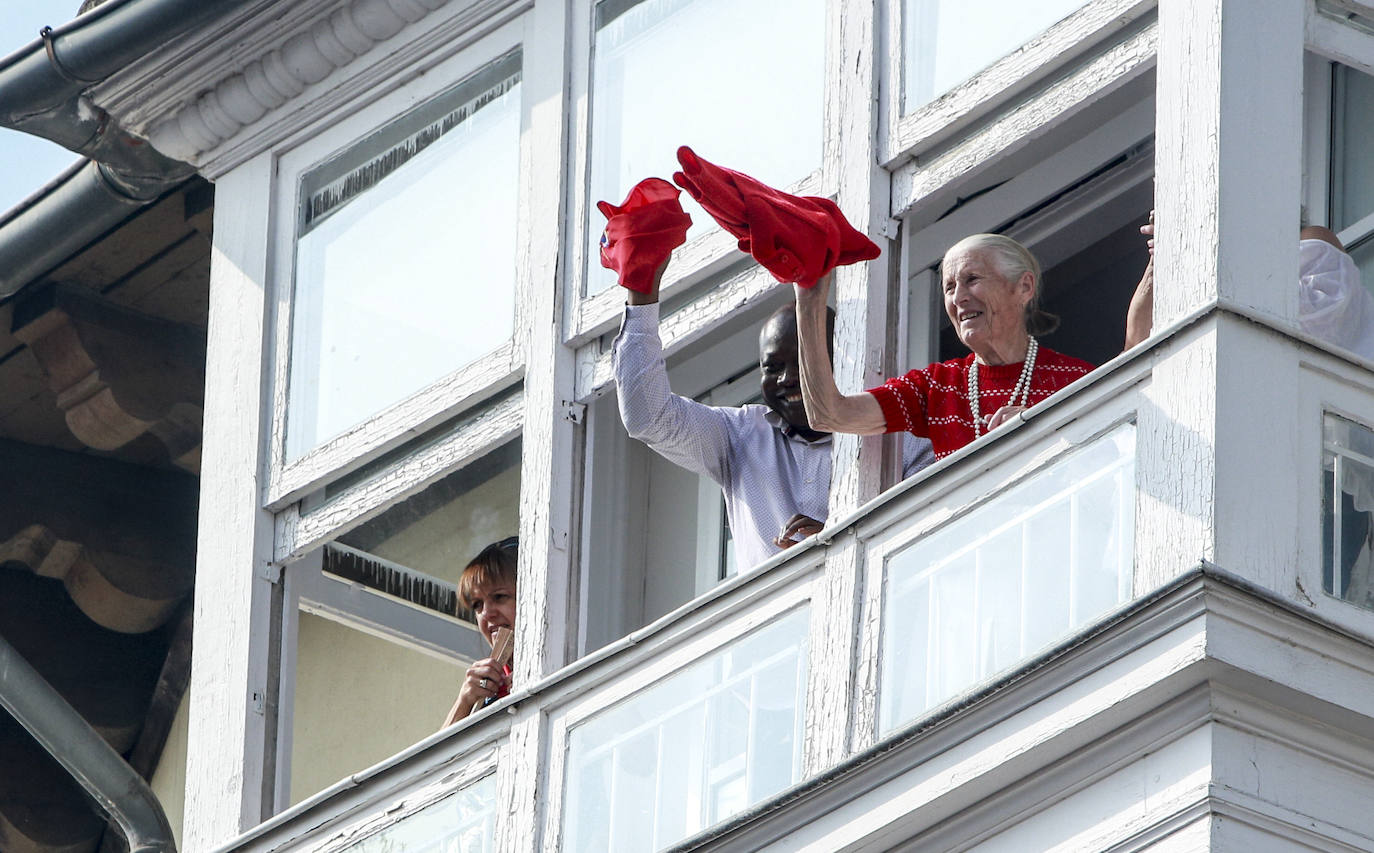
933 401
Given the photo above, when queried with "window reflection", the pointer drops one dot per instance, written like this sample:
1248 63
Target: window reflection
463 822
741 81
1352 169
949 41
1018 573
405 257
1347 498
693 749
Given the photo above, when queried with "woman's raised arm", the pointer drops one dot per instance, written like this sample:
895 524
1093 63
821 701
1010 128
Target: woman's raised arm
826 408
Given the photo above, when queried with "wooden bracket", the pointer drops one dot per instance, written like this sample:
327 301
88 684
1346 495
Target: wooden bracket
117 374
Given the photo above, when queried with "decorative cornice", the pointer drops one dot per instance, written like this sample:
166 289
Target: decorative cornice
282 74
248 82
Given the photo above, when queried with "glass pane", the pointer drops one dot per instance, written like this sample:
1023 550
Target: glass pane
381 309
693 749
740 81
358 700
949 41
1347 498
463 822
1352 167
1009 578
1363 256
433 534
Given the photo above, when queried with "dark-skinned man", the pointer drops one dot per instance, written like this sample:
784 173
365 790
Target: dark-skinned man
773 468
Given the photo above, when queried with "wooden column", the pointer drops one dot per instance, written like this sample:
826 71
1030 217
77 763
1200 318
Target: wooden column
862 191
230 758
552 440
1217 467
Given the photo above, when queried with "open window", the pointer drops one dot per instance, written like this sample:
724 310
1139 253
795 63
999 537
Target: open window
655 534
1349 178
1079 211
376 641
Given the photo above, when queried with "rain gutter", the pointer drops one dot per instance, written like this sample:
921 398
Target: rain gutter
43 90
115 787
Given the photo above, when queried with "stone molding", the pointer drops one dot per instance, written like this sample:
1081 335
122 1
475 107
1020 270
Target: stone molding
222 94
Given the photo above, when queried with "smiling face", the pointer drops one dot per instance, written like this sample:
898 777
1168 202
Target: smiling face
494 606
780 369
987 309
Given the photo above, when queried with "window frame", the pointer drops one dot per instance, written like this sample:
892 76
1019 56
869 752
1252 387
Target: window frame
571 712
699 260
298 531
466 386
906 136
306 589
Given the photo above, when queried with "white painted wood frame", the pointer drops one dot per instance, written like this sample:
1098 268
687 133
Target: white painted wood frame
862 331
798 593
487 429
232 736
552 446
920 185
1230 111
1337 39
461 389
700 260
906 136
1331 42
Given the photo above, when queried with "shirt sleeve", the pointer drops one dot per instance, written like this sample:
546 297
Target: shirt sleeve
685 432
903 401
917 453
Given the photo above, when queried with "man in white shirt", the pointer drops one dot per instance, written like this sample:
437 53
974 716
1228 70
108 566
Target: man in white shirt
773 468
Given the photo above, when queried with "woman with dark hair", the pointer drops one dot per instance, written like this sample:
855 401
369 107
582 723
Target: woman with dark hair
991 288
487 588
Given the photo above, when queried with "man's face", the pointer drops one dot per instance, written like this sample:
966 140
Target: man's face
779 366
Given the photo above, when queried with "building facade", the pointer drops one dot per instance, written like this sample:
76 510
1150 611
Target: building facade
1137 619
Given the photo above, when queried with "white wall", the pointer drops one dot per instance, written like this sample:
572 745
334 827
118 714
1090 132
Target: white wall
169 779
360 699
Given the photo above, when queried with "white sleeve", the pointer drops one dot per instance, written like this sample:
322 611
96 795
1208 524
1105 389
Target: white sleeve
1333 303
685 432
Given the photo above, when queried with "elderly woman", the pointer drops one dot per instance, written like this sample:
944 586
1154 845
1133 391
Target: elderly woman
487 588
991 287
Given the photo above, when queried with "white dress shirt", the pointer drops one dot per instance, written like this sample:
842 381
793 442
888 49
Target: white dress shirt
767 474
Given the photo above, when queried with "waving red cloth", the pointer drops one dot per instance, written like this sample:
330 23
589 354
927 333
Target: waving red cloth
796 238
642 231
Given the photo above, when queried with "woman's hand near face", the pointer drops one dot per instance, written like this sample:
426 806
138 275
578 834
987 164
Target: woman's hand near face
484 680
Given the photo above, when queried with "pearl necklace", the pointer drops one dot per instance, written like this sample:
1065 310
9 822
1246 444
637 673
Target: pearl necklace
1022 386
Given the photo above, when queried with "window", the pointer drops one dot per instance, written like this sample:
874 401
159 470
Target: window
1347 498
945 42
694 748
740 81
405 256
1352 167
990 589
654 533
377 639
